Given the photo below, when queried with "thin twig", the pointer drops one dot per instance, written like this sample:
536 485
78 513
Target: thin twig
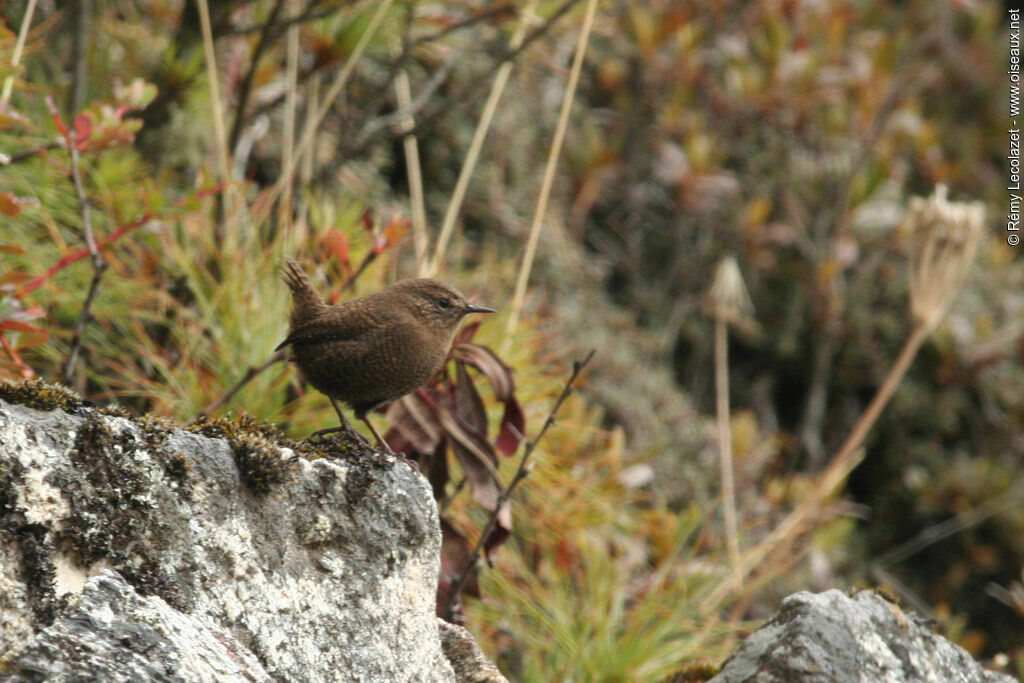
68 259
28 153
519 296
98 264
521 473
496 11
250 75
302 17
250 374
211 74
451 496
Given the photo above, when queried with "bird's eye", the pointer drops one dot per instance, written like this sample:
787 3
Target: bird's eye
443 302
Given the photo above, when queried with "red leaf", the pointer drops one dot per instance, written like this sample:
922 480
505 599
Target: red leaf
336 245
367 219
513 426
56 118
19 326
10 205
395 231
14 277
83 129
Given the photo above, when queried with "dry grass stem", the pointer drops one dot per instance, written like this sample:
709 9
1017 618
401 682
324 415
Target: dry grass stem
19 46
306 142
218 110
519 295
413 170
946 235
482 127
728 302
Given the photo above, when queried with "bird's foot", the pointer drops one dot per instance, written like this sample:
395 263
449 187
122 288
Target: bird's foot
347 431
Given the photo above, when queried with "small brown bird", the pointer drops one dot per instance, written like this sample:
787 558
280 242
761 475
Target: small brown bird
372 350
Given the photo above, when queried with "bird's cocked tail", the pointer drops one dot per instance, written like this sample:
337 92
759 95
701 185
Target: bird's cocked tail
307 303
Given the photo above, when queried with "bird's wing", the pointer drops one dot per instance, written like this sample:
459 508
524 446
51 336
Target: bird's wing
334 325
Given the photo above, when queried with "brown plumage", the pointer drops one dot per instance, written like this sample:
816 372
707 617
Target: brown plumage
369 351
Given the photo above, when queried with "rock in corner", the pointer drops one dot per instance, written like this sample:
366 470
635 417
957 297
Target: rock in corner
133 551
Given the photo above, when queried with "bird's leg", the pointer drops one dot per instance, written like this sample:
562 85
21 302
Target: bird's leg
380 439
344 427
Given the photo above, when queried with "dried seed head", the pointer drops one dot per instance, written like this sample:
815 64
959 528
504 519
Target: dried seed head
945 236
728 299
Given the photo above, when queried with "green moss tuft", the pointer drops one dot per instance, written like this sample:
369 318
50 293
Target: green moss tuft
261 463
696 673
40 395
115 410
257 448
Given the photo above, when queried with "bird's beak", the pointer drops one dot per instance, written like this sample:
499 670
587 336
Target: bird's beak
473 308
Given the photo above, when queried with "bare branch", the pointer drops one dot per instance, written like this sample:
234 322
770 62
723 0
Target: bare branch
250 374
246 87
98 264
503 497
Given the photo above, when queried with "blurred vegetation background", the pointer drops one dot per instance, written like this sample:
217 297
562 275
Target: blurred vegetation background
210 142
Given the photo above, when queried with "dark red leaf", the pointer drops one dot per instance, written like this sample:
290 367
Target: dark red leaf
417 421
485 360
477 458
455 557
467 332
437 469
367 219
513 426
468 404
502 530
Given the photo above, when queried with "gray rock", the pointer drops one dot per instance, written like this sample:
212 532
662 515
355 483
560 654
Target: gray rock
132 554
831 637
466 657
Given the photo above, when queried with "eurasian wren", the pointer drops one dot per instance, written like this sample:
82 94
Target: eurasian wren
369 351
